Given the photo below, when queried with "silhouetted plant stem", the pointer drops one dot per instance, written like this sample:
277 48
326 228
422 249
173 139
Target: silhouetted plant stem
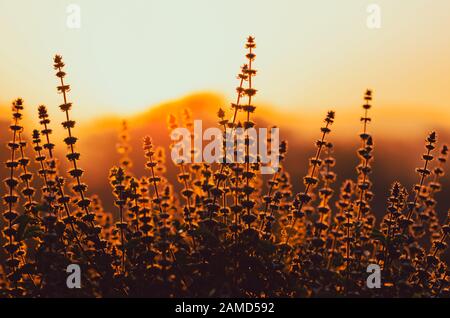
57 181
73 156
365 155
65 200
188 193
305 199
240 92
26 177
248 203
424 172
117 177
11 199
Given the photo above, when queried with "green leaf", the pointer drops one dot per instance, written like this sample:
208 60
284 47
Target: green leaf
131 244
32 231
26 228
378 235
23 220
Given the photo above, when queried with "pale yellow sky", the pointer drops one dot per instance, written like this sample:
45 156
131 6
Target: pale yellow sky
311 55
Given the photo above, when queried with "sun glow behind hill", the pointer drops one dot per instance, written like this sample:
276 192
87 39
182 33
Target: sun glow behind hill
397 122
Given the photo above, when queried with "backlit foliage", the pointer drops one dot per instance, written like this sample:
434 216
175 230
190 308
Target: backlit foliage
224 233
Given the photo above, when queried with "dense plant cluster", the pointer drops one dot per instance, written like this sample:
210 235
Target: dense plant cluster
224 234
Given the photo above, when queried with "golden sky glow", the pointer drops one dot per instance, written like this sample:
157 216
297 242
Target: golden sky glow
311 55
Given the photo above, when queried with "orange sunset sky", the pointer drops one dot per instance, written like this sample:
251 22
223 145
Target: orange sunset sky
311 55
